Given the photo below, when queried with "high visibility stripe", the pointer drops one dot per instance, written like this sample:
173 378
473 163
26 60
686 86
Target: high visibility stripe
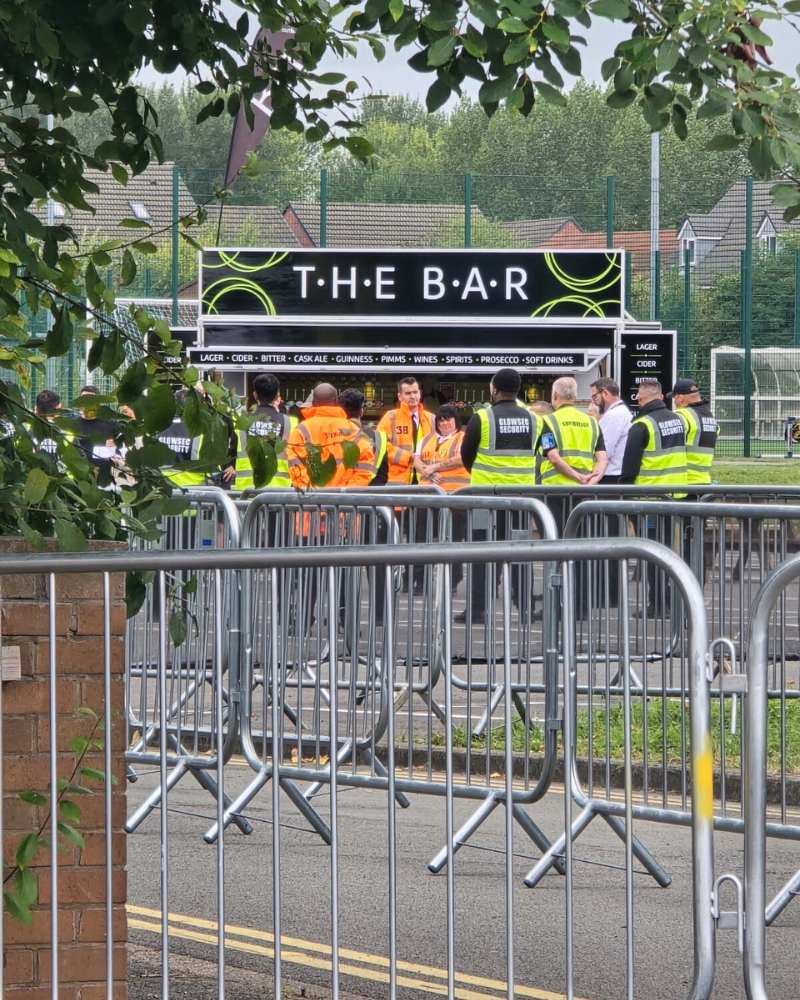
244 468
661 466
575 445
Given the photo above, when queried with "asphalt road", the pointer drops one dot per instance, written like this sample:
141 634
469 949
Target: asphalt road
662 930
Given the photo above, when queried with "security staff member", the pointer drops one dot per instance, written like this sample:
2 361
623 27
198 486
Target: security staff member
47 405
326 425
571 442
352 402
655 455
186 449
268 422
498 449
701 430
404 427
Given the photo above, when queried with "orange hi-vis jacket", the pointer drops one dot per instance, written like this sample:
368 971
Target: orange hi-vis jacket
445 450
328 427
398 427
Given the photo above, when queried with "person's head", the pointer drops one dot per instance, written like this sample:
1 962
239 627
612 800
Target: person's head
408 392
127 411
542 407
564 391
323 394
87 404
648 390
685 392
605 392
505 384
47 403
266 390
352 402
446 420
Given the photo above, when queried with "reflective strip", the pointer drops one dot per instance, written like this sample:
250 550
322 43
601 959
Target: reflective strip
506 470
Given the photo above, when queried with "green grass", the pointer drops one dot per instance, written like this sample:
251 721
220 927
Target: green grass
607 736
758 472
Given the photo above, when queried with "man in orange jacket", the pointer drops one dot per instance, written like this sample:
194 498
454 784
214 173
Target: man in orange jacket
404 428
326 425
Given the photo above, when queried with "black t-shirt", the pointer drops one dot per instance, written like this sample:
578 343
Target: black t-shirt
92 433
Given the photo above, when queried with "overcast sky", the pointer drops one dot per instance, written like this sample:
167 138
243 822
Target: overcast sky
393 75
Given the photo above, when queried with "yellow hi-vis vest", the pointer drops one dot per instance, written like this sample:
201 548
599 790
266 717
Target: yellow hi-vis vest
244 468
177 438
699 457
495 466
576 436
664 457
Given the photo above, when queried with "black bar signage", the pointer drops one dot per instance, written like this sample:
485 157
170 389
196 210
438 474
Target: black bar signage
646 355
389 360
532 285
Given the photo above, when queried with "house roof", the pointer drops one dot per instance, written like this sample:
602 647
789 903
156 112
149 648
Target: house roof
152 188
254 225
534 232
372 224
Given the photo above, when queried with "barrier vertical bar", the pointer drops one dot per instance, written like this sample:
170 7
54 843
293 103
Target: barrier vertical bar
467 210
611 184
175 250
747 313
323 207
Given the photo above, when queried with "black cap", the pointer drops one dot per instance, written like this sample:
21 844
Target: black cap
507 380
684 387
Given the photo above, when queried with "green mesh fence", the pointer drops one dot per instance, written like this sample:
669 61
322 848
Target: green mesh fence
697 282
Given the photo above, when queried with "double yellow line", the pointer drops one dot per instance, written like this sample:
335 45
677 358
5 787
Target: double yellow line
316 955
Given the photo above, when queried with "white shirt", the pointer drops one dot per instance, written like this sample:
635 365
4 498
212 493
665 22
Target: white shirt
615 424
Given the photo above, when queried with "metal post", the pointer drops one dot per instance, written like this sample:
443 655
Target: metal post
610 189
683 345
323 207
796 337
175 275
628 280
747 314
657 284
467 210
655 214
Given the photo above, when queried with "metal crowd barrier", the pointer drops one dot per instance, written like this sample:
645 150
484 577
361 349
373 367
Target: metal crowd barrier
299 756
191 606
766 654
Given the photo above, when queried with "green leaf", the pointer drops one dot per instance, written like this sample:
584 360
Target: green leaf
621 100
667 56
60 335
32 185
615 10
16 908
350 454
70 811
159 408
517 50
177 627
550 94
396 8
36 484
763 156
442 50
623 78
135 593
47 38
71 834
494 91
92 774
27 886
134 224
70 536
557 34
722 142
474 42
119 173
609 67
33 798
132 384
438 94
128 271
27 849
513 26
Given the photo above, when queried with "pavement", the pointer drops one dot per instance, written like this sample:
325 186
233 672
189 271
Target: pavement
662 928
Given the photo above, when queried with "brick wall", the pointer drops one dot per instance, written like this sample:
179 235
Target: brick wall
24 618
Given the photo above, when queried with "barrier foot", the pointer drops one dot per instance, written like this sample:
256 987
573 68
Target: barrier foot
537 835
556 850
374 762
789 892
310 813
243 799
462 835
640 852
205 780
138 817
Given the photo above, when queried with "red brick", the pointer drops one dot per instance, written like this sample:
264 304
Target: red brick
98 992
32 697
88 586
23 586
92 925
18 966
81 963
19 815
89 619
81 655
85 885
27 656
69 728
38 931
33 618
93 811
94 851
42 993
31 771
92 695
18 735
